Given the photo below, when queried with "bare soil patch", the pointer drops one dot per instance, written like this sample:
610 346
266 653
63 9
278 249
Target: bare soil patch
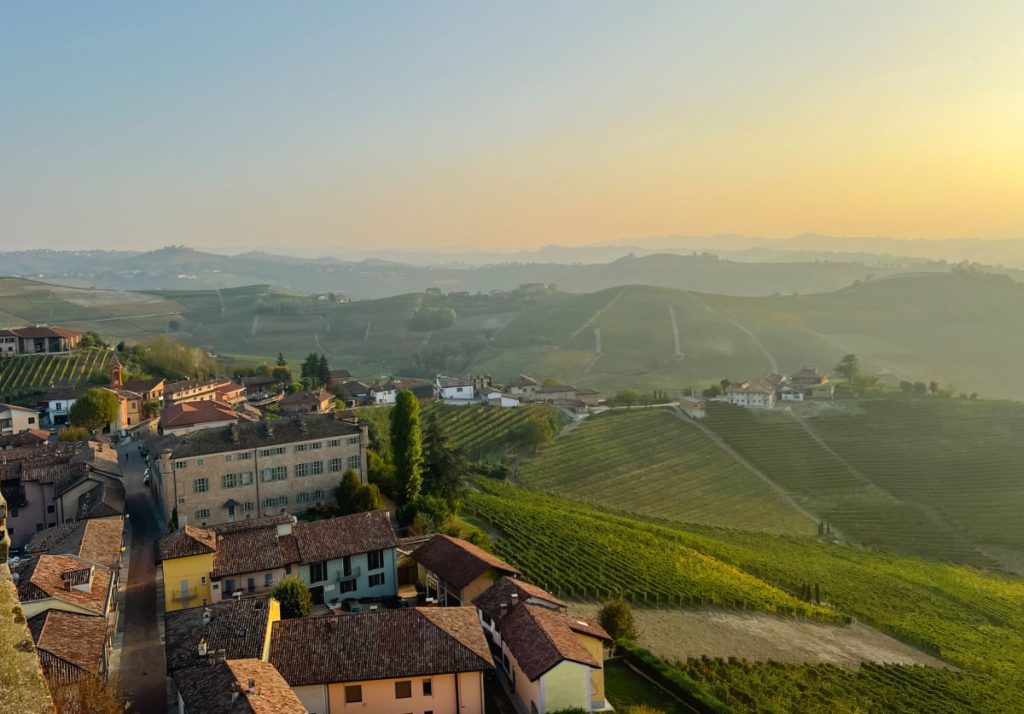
681 634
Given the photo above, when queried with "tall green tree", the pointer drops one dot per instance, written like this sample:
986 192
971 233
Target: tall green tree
848 368
445 466
281 361
94 410
310 366
407 446
534 432
323 370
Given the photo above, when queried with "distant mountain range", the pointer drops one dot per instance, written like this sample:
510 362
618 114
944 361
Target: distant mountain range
741 266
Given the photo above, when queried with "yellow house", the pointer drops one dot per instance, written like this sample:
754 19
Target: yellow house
551 659
187 557
456 572
385 662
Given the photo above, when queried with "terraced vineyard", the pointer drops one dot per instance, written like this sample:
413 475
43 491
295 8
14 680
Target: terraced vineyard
775 687
482 432
973 619
958 458
37 373
861 508
580 553
683 475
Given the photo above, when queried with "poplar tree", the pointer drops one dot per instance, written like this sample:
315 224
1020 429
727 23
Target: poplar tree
407 446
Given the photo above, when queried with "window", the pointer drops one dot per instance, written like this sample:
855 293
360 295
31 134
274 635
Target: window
273 451
318 571
318 494
229 587
202 513
301 470
245 478
180 464
354 462
248 506
352 440
227 457
376 579
346 566
375 559
229 480
275 501
302 498
353 694
250 584
51 509
288 569
14 513
308 447
316 467
428 688
181 500
335 464
334 442
277 473
403 690
201 485
200 462
243 456
347 586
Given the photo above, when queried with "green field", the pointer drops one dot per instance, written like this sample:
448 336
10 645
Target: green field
929 476
973 619
482 432
625 688
652 463
37 373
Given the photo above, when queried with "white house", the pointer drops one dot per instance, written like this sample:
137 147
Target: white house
791 393
455 389
752 395
59 401
15 419
495 398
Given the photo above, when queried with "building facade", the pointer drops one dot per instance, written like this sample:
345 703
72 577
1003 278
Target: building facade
255 469
38 340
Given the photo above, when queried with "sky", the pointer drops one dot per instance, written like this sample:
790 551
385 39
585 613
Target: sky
444 125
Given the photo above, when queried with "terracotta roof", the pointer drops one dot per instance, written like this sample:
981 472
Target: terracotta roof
754 387
340 374
251 435
187 541
187 384
223 687
490 600
379 645
185 414
306 398
249 550
103 500
143 385
43 331
259 379
555 389
523 381
71 645
454 382
539 638
237 630
344 535
27 438
457 561
97 540
46 576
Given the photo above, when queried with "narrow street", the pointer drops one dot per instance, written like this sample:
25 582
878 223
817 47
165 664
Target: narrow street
143 672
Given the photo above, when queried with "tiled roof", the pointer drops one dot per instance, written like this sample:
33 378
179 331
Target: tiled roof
43 331
249 550
523 381
58 393
27 438
143 385
237 629
458 561
223 687
306 398
454 382
46 575
97 540
555 389
490 600
185 414
540 637
187 384
344 535
259 379
104 499
187 541
71 645
379 645
251 435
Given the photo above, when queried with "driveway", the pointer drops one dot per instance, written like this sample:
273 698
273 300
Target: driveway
143 671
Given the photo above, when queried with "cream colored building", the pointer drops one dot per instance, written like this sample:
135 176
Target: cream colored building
254 469
421 660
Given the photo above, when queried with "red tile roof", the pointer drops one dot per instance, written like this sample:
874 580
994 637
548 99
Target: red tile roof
539 638
223 687
185 414
237 630
186 542
48 576
379 645
457 561
490 600
345 535
97 540
71 645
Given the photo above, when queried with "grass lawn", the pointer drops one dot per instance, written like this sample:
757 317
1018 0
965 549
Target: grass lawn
625 688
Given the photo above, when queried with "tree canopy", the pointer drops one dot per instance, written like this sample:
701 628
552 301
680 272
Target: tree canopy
94 410
293 594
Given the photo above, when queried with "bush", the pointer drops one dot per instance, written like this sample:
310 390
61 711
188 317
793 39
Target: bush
293 594
73 433
616 617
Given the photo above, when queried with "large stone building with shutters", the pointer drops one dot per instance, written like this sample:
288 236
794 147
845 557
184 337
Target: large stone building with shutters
248 470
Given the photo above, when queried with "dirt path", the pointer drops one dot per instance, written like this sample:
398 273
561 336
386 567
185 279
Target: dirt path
255 325
675 332
597 350
680 634
590 320
783 494
366 332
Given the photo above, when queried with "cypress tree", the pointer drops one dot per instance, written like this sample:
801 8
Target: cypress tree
406 445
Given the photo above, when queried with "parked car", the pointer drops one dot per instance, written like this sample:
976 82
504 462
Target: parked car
393 602
351 606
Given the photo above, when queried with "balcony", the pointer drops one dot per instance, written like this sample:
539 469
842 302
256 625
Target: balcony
184 595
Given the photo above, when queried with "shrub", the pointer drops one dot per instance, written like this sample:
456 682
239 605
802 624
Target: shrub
616 617
294 597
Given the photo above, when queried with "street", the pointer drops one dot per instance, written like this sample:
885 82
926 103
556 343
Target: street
143 672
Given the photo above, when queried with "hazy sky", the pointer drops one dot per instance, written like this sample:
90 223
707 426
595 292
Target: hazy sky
460 124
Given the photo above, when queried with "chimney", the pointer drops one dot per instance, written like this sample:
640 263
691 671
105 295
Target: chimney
269 426
207 614
203 651
285 528
235 435
515 599
252 686
504 609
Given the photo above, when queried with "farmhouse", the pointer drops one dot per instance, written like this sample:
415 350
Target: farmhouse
815 385
755 394
522 387
224 474
259 385
496 398
693 407
389 661
349 557
38 339
58 402
552 659
307 402
454 571
387 392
